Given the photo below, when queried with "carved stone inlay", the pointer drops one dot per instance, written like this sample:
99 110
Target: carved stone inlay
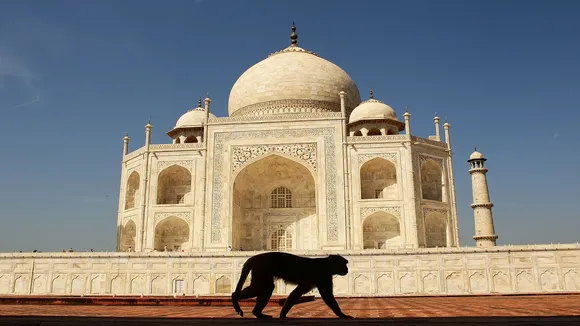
429 210
393 210
243 154
287 106
387 156
289 116
425 158
130 217
159 216
163 164
220 185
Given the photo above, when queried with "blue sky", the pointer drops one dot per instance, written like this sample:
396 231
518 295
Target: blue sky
76 75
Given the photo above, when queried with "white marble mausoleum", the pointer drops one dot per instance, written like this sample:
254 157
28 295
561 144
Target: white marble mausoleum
301 164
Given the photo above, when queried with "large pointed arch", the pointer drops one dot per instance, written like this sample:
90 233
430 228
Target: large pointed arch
128 236
132 189
172 234
273 190
378 179
435 230
431 181
174 186
381 230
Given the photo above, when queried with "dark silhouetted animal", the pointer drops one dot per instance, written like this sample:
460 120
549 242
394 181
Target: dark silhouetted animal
304 272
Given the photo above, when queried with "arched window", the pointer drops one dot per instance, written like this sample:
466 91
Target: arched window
281 197
132 189
177 140
190 139
358 133
391 131
381 230
374 132
281 240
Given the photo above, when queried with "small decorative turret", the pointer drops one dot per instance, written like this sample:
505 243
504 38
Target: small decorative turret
437 130
446 126
484 230
126 140
407 117
148 128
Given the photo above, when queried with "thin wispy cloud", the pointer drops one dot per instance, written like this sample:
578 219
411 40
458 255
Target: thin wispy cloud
14 73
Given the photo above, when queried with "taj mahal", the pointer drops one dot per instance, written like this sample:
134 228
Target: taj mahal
305 163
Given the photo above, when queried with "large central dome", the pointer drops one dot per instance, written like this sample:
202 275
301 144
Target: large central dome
292 80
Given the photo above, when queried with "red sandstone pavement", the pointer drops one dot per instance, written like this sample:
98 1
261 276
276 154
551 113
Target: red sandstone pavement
482 310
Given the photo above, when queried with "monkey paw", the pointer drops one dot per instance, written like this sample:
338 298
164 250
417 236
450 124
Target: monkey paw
261 315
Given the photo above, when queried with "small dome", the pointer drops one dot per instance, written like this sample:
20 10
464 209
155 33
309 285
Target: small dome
372 109
476 156
193 118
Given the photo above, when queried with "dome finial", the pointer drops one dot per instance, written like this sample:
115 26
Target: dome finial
371 94
475 148
199 103
294 36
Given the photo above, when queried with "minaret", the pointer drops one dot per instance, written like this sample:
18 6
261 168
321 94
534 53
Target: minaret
484 231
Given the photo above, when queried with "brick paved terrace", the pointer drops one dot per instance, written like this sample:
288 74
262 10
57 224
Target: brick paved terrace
473 310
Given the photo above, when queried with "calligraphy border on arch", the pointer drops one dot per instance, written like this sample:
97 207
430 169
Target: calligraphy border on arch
219 186
367 211
424 158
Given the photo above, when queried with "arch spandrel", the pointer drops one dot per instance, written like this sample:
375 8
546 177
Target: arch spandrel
305 154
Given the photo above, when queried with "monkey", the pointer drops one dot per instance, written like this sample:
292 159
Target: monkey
304 272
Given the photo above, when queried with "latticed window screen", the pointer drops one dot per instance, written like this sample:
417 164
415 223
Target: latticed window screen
179 286
378 193
281 240
180 199
281 197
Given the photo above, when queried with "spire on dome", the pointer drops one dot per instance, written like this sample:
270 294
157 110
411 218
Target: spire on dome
294 36
371 94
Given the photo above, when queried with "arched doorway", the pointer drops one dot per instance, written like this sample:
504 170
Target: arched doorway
431 181
378 179
172 233
128 236
381 230
174 186
271 194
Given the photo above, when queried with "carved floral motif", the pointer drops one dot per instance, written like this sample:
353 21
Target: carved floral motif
393 210
429 210
243 154
163 164
159 216
387 156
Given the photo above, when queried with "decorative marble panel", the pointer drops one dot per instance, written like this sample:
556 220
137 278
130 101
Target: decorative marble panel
367 211
387 156
159 216
241 155
161 165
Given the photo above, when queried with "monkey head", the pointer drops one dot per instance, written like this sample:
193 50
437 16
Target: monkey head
338 265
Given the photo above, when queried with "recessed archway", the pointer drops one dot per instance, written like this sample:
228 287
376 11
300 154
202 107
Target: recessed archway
374 132
172 234
431 181
381 230
174 186
378 179
132 190
435 230
190 139
128 236
274 192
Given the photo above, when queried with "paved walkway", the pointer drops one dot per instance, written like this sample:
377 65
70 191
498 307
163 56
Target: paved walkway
484 310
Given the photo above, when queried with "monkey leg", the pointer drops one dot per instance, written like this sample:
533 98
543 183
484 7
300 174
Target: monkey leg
264 295
247 293
299 291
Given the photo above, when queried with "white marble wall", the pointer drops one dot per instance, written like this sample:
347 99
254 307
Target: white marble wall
505 269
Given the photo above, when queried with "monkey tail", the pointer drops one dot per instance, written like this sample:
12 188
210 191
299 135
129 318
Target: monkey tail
244 274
